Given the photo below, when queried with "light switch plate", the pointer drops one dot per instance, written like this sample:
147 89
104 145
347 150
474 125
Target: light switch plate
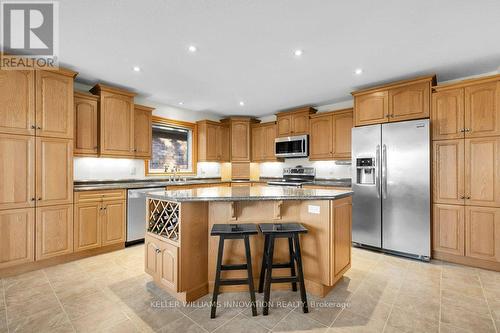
313 209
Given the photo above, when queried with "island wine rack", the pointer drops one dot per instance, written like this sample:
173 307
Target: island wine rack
163 219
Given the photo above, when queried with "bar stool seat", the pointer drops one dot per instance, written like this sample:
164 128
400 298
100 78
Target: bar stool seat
233 231
290 231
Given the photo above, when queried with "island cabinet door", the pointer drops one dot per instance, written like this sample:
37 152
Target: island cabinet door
341 232
169 270
151 260
113 222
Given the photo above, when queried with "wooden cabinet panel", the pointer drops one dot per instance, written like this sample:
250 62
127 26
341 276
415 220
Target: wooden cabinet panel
342 227
448 229
270 136
54 105
295 122
17 236
300 123
100 195
482 171
321 138
151 262
482 110
17 102
17 171
168 272
482 233
85 124
448 172
284 125
240 141
113 222
211 146
447 116
371 108
223 143
54 231
258 141
116 122
240 170
87 226
213 142
342 128
54 171
410 102
263 136
143 131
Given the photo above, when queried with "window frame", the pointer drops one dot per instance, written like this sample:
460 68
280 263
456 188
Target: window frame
194 158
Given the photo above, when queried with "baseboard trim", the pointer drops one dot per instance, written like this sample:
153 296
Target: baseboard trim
479 263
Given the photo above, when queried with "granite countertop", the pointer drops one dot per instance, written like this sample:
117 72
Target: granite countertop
249 194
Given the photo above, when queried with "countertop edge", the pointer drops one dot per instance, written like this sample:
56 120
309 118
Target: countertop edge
245 198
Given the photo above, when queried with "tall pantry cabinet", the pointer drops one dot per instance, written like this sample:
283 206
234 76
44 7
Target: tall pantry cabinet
466 172
36 165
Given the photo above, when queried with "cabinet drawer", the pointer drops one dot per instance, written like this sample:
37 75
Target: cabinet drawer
93 196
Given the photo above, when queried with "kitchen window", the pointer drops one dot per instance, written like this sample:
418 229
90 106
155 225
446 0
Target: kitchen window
173 148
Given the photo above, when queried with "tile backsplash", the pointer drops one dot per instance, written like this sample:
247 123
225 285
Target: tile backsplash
324 169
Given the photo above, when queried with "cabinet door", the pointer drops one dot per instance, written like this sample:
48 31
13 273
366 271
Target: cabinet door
54 231
85 127
300 123
371 108
342 226
17 102
482 171
17 171
212 151
54 171
113 222
54 105
258 140
270 135
284 125
224 143
87 233
410 102
17 236
447 116
151 262
482 229
169 270
448 172
321 138
482 110
342 128
117 125
448 229
143 133
240 141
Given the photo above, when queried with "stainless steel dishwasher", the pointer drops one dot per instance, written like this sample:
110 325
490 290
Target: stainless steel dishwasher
136 214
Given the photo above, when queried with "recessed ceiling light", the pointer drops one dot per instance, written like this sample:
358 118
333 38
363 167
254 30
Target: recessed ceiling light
192 48
136 69
242 103
358 71
298 53
181 103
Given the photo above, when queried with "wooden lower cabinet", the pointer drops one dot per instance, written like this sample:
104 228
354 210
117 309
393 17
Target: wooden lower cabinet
17 236
54 231
342 237
482 230
162 262
87 227
113 222
448 229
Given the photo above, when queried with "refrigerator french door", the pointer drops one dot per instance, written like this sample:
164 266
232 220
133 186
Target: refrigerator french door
391 184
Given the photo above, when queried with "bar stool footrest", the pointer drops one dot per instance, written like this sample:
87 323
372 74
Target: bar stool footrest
283 265
284 279
234 267
233 282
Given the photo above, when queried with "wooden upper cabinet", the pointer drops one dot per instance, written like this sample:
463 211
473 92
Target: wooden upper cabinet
448 172
54 104
17 102
321 137
270 136
17 171
371 108
54 171
210 138
482 109
263 136
86 119
342 133
448 229
482 171
294 122
17 236
410 102
143 131
482 230
116 121
54 231
257 143
223 144
447 116
113 222
240 141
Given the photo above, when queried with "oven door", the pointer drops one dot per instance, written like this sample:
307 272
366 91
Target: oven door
292 146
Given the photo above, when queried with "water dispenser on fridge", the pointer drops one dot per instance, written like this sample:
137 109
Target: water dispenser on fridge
365 171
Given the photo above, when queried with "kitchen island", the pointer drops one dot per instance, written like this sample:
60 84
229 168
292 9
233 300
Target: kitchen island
181 255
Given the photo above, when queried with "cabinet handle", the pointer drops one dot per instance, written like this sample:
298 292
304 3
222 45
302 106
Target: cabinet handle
33 199
466 129
33 127
468 198
39 127
157 250
462 197
40 198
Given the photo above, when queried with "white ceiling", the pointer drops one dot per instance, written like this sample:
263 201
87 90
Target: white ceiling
245 47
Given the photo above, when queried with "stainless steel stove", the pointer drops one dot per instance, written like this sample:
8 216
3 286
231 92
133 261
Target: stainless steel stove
296 176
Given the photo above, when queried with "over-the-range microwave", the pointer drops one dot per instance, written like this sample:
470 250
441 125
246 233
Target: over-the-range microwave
292 146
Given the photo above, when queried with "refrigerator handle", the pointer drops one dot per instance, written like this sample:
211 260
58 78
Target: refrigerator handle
384 171
377 177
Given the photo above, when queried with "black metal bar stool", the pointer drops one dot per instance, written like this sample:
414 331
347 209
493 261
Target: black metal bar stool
233 231
291 231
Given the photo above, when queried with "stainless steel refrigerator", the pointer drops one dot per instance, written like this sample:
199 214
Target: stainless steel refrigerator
391 184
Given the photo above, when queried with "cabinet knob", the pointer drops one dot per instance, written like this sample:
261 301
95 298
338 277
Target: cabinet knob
462 197
33 127
33 199
468 198
39 127
40 198
157 250
466 129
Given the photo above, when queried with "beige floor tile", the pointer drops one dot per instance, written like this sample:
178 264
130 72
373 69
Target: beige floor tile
379 290
297 322
407 321
20 297
82 306
183 324
466 319
364 304
100 321
32 306
473 304
349 321
324 311
460 288
42 321
156 318
202 317
25 281
447 328
422 306
3 320
243 324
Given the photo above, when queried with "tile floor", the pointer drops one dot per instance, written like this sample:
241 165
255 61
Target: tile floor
111 293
